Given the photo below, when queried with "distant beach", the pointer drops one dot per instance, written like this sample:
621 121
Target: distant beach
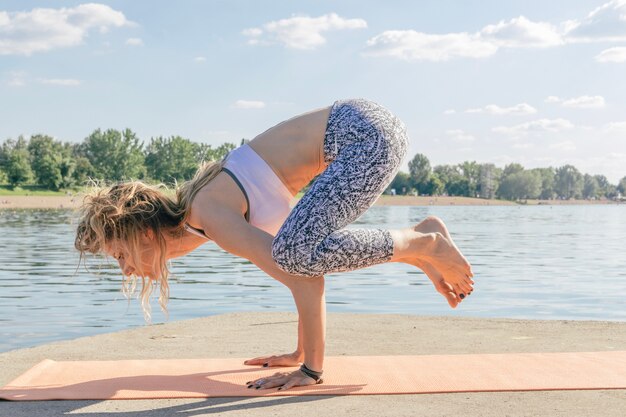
74 201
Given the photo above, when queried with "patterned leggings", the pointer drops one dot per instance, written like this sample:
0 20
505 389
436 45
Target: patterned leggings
364 145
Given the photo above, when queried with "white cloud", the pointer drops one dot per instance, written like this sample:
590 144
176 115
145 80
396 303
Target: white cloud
610 164
410 45
249 104
300 32
522 33
582 102
523 145
619 127
16 79
38 30
617 54
567 145
606 23
449 111
518 109
67 82
585 102
199 59
134 42
459 135
540 125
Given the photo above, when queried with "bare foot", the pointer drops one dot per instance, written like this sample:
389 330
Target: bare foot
443 263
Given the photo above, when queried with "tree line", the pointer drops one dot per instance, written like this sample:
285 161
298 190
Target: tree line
513 182
110 155
117 155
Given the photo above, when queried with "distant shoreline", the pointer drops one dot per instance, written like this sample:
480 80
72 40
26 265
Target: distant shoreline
72 202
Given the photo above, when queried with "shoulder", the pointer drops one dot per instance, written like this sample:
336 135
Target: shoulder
230 231
220 195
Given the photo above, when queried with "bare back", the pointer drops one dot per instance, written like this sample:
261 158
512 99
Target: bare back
293 149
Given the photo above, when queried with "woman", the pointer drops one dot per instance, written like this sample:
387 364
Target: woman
242 204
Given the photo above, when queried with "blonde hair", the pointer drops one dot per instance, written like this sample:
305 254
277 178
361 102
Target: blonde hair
126 210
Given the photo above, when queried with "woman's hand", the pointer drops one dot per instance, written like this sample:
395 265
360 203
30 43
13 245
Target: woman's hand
283 380
289 359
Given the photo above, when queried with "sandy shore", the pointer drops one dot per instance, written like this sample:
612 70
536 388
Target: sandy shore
251 334
55 202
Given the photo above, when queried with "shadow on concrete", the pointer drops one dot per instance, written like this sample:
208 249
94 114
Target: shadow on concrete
193 408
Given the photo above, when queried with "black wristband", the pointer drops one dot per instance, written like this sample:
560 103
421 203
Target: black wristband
310 373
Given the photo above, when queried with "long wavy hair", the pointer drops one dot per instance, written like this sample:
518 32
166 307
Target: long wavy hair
125 212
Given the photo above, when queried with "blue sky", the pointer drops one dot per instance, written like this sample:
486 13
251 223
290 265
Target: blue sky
535 82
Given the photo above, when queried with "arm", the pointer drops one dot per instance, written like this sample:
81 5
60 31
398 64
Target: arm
287 359
233 234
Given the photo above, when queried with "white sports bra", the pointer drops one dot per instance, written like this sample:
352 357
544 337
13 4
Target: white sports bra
267 197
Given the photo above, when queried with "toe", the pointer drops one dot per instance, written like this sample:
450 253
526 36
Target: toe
459 291
465 284
467 287
443 286
452 299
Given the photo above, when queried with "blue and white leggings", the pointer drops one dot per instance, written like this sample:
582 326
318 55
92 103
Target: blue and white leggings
364 145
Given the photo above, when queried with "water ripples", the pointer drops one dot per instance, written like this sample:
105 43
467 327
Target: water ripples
548 262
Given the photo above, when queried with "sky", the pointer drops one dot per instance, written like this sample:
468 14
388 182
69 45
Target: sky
541 83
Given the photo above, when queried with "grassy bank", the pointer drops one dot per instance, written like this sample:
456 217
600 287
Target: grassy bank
31 190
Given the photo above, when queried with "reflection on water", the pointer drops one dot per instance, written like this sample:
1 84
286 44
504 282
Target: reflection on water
548 262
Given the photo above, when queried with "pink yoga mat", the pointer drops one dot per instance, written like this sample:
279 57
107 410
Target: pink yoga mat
343 375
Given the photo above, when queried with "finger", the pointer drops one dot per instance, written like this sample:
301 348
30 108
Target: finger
272 383
259 381
260 360
275 361
289 384
280 361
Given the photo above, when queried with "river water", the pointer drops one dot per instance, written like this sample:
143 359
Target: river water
533 262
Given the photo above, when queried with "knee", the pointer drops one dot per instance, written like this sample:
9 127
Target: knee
289 260
280 253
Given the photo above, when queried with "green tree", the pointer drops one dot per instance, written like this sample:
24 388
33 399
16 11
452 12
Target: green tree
419 171
174 158
603 185
453 180
67 165
18 167
435 185
46 158
207 153
621 187
401 181
591 187
568 182
114 155
510 169
547 182
471 172
488 180
520 185
15 161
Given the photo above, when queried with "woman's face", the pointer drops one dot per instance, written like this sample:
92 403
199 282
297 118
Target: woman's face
119 251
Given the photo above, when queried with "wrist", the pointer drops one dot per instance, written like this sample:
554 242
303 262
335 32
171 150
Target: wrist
316 375
299 355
